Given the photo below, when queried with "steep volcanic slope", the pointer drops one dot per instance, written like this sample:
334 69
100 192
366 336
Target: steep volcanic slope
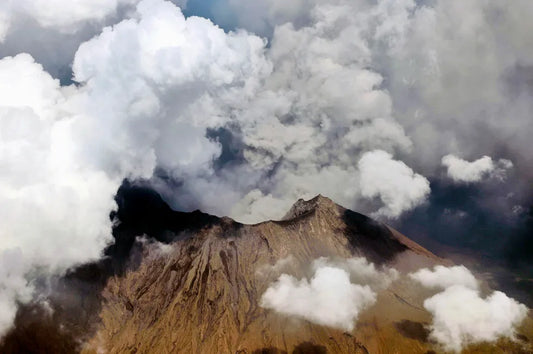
198 289
201 293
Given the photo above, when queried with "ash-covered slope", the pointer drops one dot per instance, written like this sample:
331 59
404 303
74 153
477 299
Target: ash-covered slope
201 293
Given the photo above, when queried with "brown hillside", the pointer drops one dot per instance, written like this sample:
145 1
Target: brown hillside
202 295
199 290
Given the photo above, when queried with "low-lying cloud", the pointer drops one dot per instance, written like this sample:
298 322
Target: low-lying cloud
463 171
441 277
335 294
461 316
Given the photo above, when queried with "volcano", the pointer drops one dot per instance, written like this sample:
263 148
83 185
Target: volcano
178 282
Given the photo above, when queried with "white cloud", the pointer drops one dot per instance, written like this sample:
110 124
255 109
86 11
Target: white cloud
51 204
463 171
441 277
307 107
65 150
305 124
143 85
334 296
461 316
398 187
47 190
304 113
159 108
61 15
65 15
327 299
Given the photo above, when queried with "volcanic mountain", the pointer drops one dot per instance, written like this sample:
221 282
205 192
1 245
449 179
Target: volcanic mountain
192 283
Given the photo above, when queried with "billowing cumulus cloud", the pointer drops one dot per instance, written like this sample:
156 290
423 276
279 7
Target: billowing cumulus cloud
460 170
328 298
51 203
152 77
461 316
397 186
67 149
51 31
335 294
